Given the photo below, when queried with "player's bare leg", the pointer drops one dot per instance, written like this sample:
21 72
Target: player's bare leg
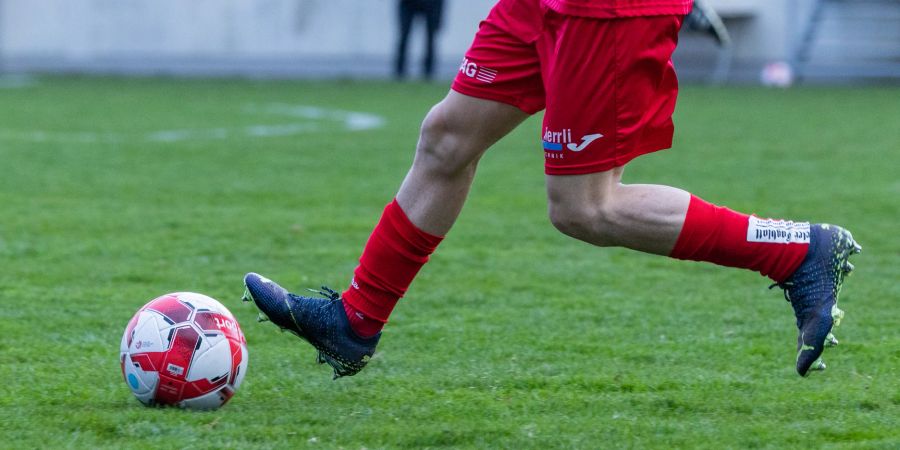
345 328
455 133
808 261
599 209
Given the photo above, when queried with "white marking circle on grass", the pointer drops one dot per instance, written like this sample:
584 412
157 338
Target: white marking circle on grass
352 120
305 119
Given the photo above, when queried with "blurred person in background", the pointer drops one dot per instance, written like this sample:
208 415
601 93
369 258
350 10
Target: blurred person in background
431 11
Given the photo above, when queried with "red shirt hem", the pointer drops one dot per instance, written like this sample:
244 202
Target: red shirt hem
610 9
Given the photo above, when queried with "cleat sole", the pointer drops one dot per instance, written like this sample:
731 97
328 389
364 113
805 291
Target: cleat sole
262 317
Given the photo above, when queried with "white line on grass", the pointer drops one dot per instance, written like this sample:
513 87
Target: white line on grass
306 119
351 120
60 137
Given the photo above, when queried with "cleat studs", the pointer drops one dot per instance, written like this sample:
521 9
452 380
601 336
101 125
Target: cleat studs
831 341
320 358
837 315
246 297
856 248
262 318
847 267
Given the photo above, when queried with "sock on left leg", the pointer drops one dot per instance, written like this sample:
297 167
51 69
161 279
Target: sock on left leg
395 252
774 248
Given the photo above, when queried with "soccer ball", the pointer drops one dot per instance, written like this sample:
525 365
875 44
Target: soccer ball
183 349
777 74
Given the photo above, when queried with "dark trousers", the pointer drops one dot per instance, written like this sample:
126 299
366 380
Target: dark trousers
429 10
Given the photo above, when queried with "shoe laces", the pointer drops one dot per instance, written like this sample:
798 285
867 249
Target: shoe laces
785 286
327 292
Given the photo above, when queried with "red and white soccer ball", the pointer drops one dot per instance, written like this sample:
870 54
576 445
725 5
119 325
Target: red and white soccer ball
183 349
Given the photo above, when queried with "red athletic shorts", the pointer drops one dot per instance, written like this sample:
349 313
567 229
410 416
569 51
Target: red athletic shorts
608 85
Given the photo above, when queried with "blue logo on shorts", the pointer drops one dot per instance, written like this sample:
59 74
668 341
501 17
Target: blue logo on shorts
552 146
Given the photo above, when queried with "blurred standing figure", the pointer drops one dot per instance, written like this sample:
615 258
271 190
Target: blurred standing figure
431 11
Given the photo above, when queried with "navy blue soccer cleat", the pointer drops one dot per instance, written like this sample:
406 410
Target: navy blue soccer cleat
320 321
813 291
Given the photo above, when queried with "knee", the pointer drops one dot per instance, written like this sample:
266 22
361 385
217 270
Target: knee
443 148
585 221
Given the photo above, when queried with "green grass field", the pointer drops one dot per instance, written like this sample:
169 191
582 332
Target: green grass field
115 191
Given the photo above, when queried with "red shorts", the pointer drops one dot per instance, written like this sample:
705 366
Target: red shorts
608 85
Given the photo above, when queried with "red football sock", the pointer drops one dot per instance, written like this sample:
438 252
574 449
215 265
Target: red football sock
395 252
774 248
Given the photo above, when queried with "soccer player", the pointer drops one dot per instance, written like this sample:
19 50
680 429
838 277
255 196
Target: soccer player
602 72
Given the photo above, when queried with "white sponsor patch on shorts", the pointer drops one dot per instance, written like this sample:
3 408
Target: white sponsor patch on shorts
777 231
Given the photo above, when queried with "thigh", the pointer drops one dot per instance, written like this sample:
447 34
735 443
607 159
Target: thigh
572 191
502 63
611 90
462 128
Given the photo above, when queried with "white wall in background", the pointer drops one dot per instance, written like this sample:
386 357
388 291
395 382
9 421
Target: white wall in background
156 34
